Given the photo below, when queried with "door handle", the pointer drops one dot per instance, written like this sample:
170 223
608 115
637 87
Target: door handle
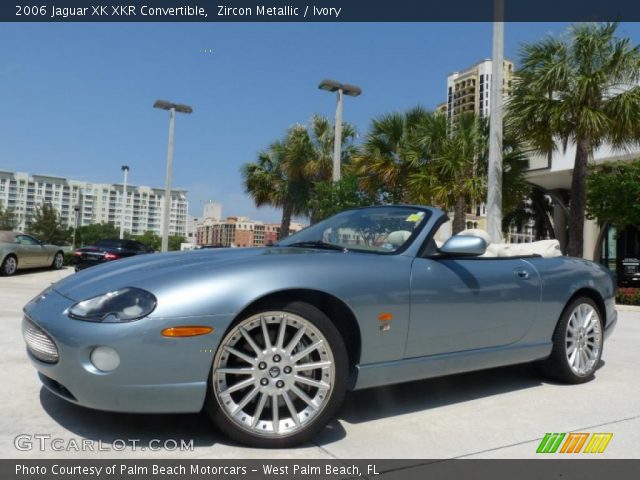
521 272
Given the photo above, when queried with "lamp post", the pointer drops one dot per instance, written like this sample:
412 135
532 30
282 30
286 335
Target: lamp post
172 108
125 169
494 182
76 209
341 89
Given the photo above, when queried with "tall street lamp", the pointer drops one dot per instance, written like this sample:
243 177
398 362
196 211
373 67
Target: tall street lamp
341 89
173 108
125 169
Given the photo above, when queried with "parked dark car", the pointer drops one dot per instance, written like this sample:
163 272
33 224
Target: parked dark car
106 251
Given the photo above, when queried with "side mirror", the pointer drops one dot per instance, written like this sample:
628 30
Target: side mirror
464 246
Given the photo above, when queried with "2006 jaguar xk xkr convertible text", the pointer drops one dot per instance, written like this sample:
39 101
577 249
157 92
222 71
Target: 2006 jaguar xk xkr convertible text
269 340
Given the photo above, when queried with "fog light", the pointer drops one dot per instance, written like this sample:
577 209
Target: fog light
105 358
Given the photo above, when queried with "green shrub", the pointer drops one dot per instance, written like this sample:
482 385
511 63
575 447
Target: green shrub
68 258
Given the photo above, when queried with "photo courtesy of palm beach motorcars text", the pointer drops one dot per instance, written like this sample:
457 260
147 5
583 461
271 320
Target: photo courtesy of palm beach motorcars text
115 470
319 239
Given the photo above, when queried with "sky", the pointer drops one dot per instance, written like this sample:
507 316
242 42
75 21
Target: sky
77 98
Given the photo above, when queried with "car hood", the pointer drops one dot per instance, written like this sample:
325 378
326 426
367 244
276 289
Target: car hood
145 270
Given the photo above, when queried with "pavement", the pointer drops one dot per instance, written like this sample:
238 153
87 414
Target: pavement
499 413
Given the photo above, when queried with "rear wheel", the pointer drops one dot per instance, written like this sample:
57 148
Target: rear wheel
9 265
279 375
58 261
577 343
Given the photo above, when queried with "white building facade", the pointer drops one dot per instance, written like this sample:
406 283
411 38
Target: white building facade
89 203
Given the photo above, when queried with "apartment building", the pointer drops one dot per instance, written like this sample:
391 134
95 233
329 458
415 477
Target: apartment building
87 203
240 232
469 90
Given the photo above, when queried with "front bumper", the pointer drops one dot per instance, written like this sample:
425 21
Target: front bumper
156 374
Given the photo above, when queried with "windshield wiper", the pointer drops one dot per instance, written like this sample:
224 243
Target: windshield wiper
315 244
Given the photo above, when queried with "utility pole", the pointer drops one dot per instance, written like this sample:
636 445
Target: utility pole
494 193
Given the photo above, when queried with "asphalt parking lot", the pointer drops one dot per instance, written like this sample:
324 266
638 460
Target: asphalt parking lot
501 413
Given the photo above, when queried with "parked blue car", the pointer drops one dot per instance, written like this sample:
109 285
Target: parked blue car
269 340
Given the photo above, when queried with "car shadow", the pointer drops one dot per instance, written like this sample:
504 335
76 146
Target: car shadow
389 401
359 407
107 427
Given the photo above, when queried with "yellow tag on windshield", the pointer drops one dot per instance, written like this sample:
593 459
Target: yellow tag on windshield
415 217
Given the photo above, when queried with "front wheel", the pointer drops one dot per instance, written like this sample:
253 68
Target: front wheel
577 343
279 375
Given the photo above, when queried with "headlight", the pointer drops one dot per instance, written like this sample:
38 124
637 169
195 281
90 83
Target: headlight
123 305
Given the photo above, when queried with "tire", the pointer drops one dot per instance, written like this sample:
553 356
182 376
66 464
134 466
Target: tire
305 399
577 343
58 261
9 266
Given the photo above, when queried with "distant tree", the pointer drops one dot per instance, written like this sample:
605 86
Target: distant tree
151 240
8 219
331 198
90 234
613 193
175 241
47 226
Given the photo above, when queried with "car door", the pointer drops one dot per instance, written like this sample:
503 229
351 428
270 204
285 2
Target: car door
31 252
465 303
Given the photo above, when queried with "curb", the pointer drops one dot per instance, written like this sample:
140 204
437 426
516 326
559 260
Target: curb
628 308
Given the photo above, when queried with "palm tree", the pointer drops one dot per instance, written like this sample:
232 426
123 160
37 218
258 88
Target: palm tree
286 174
581 90
267 183
308 159
389 154
454 173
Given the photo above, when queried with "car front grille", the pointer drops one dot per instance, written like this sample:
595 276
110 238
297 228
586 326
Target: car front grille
40 345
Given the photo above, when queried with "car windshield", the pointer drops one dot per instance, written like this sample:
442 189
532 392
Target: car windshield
372 229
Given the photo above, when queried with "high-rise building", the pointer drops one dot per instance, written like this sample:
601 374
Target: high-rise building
212 210
469 90
87 203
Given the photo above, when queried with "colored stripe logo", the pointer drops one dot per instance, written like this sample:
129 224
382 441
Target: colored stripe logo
574 442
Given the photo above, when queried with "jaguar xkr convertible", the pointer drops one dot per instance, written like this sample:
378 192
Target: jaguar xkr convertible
269 340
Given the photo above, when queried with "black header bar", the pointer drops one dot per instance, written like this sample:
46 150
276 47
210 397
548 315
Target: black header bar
316 10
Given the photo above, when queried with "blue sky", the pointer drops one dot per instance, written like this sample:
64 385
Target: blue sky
77 98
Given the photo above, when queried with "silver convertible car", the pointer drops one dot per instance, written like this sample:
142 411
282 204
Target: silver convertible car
269 340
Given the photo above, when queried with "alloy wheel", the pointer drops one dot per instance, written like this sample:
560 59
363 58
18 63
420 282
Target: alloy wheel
59 261
273 374
10 266
583 339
